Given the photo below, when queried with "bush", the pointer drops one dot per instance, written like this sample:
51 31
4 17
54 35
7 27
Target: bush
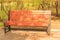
3 15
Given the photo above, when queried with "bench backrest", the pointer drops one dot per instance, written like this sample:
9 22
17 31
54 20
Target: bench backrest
31 16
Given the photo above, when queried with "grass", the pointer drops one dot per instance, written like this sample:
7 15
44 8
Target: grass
1 24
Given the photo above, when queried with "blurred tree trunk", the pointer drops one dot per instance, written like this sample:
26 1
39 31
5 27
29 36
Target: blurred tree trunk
38 6
48 6
56 3
22 5
18 3
33 3
1 4
43 5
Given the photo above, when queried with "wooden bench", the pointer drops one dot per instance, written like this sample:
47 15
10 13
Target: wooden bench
28 18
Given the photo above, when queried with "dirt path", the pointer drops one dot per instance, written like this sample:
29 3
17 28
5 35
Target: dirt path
55 24
33 35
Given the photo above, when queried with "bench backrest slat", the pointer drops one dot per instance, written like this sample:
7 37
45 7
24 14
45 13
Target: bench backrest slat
30 16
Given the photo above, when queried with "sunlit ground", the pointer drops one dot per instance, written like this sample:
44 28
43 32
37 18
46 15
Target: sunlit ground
33 35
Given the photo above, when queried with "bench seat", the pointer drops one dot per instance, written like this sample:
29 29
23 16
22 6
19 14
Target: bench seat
38 24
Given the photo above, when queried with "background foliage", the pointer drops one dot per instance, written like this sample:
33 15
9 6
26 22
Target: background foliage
7 5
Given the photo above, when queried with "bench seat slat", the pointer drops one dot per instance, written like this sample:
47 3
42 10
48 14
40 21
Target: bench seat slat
27 23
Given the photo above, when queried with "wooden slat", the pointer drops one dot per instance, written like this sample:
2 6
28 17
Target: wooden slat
29 17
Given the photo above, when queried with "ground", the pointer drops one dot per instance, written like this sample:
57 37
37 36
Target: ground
33 35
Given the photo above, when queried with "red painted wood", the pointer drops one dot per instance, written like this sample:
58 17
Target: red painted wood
27 18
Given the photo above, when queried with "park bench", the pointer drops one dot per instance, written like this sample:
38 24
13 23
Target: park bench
28 18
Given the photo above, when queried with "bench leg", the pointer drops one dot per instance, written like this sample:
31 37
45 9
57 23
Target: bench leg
48 30
9 28
6 28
